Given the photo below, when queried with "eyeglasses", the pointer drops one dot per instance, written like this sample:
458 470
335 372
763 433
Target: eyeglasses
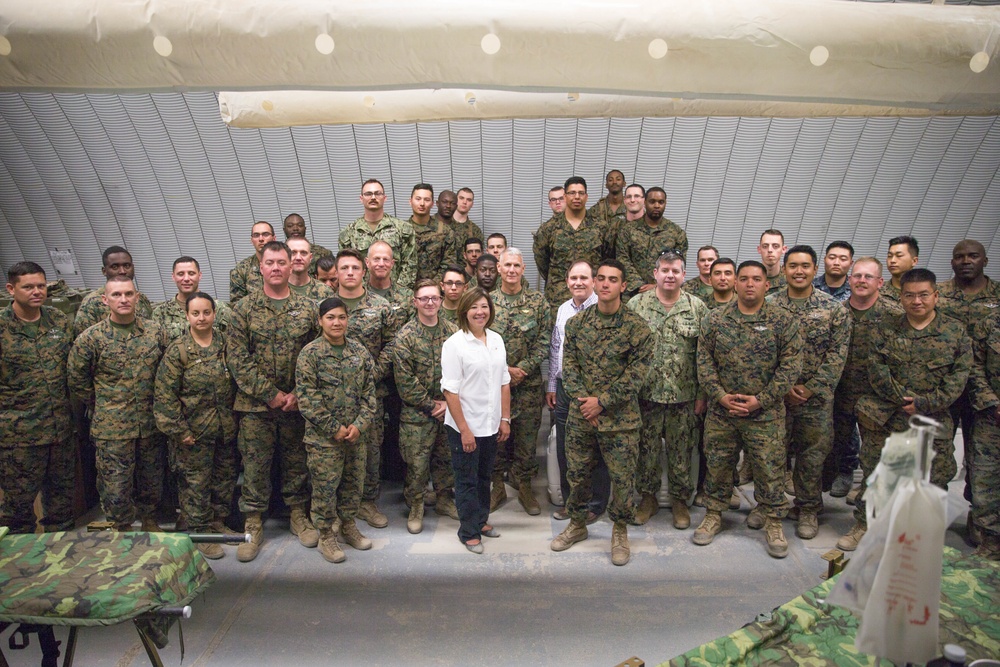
454 283
426 300
864 276
372 195
555 199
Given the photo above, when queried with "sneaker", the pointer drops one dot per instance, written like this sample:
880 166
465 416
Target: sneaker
415 522
300 526
735 500
682 515
852 497
211 550
498 495
850 541
526 497
807 526
842 485
349 531
789 484
755 519
573 533
445 506
709 528
620 551
647 508
699 499
329 547
149 525
370 514
777 545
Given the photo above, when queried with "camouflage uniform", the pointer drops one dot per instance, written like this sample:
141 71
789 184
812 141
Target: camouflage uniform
756 355
667 399
172 318
466 230
932 365
336 388
244 278
778 284
557 245
614 218
265 339
400 300
699 289
416 362
450 315
371 323
113 368
606 356
37 451
314 290
524 321
826 335
712 304
638 246
194 396
889 291
985 385
841 294
436 246
397 233
318 252
92 310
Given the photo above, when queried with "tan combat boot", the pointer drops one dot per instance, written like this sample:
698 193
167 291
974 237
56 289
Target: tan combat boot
709 528
526 497
735 500
353 536
211 550
149 525
219 526
329 547
573 533
620 552
808 525
498 494
444 505
372 515
415 522
755 519
989 547
302 527
247 551
850 541
777 545
789 483
647 508
682 515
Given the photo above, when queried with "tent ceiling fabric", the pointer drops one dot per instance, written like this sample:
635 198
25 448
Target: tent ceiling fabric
816 52
163 175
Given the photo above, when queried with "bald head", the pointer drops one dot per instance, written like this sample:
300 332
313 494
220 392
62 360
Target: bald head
968 260
379 247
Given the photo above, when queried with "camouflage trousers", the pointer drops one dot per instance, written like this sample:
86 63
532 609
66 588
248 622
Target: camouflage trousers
809 438
620 450
129 477
943 467
985 474
265 437
677 425
337 471
516 457
373 455
764 448
206 479
424 446
26 471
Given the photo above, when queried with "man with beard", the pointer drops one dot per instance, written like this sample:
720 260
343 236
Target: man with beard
300 281
377 225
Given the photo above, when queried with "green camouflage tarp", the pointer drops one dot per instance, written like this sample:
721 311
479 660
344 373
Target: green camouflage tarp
102 578
807 632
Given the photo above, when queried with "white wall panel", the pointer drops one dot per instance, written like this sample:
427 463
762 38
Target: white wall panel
682 169
320 206
467 165
711 158
346 174
526 175
740 177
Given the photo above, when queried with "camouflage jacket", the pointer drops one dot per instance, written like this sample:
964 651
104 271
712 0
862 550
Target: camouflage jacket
524 321
436 245
466 230
450 315
557 245
639 245
778 284
889 291
674 374
372 323
194 391
244 278
984 379
712 304
698 288
756 355
615 219
969 308
607 356
841 294
400 300
932 365
416 363
172 318
34 398
397 233
826 334
866 338
264 342
116 369
336 387
92 310
313 290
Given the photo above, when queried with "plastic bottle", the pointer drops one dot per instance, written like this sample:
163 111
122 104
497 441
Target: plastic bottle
954 656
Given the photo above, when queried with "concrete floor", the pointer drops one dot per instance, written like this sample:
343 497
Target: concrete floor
424 600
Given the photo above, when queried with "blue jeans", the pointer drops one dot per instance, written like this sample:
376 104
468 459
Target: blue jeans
601 480
473 472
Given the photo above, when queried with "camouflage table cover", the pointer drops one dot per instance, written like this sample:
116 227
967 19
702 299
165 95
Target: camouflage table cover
810 633
100 578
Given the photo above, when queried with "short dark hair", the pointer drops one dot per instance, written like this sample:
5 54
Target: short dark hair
614 264
472 239
198 295
636 185
469 190
557 187
350 252
452 268
707 247
496 235
722 261
187 260
263 222
671 255
19 269
575 180
328 304
276 246
427 282
751 263
422 186
841 244
580 261
908 241
113 250
806 249
469 297
327 263
373 180
770 232
918 276
487 257
656 188
616 171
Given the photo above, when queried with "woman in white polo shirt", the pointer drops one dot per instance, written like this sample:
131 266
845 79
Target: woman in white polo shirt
476 387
